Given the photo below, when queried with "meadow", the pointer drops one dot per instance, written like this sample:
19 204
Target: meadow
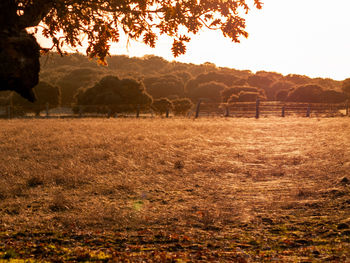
175 190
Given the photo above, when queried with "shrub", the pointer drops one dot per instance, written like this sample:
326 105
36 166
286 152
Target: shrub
332 96
281 95
44 92
233 99
112 95
162 105
235 90
306 93
245 96
182 106
209 90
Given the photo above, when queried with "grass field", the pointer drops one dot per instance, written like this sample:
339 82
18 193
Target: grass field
175 190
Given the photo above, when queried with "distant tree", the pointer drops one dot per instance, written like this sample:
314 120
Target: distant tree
185 76
152 64
280 85
298 79
263 81
282 95
46 95
164 86
306 93
245 96
327 83
161 106
227 79
113 95
4 100
227 93
75 79
233 98
332 96
346 87
182 106
209 90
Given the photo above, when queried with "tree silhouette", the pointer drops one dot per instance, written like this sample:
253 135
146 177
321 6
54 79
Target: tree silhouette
113 95
306 93
162 105
346 86
182 106
101 21
46 94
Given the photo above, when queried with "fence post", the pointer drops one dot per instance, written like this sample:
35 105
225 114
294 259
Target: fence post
227 111
167 113
9 111
308 111
80 111
109 113
283 111
138 111
47 109
197 109
347 108
257 110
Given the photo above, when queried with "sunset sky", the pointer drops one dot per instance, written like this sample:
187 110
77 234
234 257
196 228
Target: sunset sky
309 37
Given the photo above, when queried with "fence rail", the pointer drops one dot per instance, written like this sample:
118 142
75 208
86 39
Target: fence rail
201 109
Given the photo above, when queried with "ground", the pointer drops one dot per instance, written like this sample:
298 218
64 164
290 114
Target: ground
175 190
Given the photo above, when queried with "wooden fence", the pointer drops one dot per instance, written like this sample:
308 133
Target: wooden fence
201 109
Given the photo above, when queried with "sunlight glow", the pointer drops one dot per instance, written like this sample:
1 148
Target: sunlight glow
290 36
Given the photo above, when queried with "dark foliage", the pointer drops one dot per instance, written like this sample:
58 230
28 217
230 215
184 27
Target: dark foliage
332 96
276 87
245 96
227 79
211 91
182 106
306 93
232 92
298 79
263 81
165 86
161 106
112 95
19 63
46 94
346 86
282 95
75 79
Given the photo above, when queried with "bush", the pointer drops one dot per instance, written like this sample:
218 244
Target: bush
281 95
235 90
306 93
112 95
165 86
44 92
346 86
233 99
182 106
332 96
162 105
245 96
209 90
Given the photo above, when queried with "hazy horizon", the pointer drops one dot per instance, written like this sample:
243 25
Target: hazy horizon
288 37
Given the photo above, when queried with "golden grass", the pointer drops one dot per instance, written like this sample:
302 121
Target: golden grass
221 175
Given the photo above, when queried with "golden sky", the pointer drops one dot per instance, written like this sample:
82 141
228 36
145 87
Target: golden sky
309 37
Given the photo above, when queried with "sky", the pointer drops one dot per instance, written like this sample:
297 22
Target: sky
308 37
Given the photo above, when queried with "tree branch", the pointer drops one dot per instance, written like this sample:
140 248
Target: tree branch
33 14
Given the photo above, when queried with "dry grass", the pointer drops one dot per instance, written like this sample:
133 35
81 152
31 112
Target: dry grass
221 177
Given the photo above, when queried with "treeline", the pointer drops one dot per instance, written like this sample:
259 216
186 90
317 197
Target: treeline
152 81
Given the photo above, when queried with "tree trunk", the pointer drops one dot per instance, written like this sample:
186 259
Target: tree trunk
19 53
